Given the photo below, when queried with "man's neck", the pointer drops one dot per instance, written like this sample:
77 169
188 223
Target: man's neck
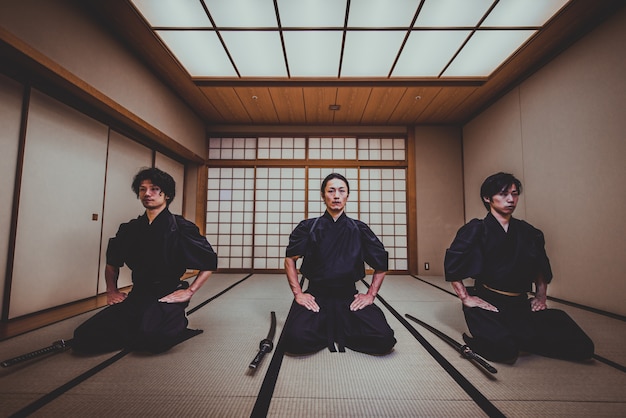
503 220
153 213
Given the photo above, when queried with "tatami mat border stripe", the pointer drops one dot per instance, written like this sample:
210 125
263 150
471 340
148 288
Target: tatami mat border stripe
485 404
195 308
610 362
49 397
264 398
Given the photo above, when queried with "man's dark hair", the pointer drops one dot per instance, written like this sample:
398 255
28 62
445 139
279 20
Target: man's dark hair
334 176
497 183
159 178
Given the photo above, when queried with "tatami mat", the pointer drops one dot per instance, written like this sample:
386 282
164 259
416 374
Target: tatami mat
208 375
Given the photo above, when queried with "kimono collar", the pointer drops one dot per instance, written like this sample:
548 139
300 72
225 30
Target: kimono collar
330 218
164 214
493 222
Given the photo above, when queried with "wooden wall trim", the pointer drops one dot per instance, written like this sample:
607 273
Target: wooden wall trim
413 262
8 282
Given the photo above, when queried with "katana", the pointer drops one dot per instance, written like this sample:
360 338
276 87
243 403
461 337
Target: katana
266 345
464 349
56 347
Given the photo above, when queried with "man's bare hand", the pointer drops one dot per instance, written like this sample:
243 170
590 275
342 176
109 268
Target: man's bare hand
537 304
308 301
361 300
182 295
476 302
115 297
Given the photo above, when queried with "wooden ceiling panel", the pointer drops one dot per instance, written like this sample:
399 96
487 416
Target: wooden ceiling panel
413 103
383 102
353 101
316 102
289 104
226 101
441 109
258 103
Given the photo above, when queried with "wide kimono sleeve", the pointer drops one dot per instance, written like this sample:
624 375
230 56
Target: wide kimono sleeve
538 252
118 247
195 250
299 239
373 250
464 258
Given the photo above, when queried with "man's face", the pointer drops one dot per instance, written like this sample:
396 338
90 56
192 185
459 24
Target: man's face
151 196
335 196
504 203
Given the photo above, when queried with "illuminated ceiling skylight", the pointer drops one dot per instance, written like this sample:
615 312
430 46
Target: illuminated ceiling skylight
329 39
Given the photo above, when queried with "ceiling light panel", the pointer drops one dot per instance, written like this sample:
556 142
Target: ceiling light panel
382 13
523 12
242 13
426 53
313 53
173 13
200 52
256 53
370 53
452 13
312 13
485 51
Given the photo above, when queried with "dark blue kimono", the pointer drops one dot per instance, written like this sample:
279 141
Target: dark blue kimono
334 254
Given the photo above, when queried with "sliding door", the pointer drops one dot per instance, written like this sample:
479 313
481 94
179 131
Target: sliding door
57 243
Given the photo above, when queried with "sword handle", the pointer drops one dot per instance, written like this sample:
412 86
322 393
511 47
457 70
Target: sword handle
265 346
59 345
467 352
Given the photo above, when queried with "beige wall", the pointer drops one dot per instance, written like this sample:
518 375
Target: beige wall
562 132
439 193
70 37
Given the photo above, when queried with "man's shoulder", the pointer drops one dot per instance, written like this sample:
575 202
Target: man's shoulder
134 222
473 225
527 227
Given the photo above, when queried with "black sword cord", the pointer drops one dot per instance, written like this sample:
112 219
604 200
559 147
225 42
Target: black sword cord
266 345
598 357
483 403
465 350
49 397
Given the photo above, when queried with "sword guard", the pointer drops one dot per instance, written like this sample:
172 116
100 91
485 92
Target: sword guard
469 354
266 345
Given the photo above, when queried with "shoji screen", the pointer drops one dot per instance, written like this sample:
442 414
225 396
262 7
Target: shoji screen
254 203
230 216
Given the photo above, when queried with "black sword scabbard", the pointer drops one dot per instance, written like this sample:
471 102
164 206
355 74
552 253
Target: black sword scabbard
465 351
56 347
266 345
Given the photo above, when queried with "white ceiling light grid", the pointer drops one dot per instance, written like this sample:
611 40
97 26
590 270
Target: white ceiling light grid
449 38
